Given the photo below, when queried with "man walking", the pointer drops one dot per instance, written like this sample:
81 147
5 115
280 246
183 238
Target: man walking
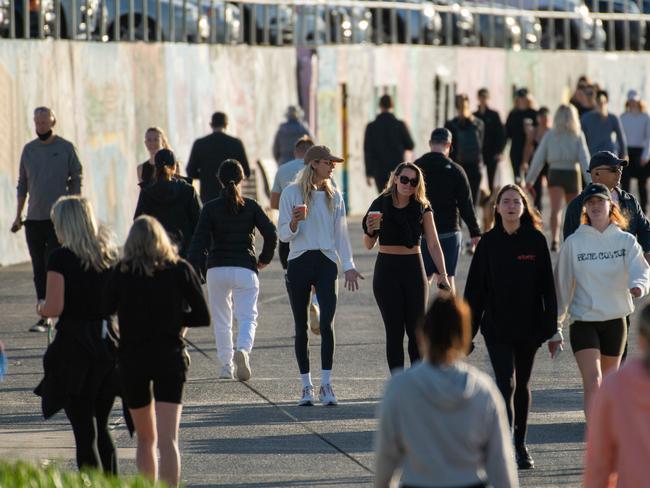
493 137
287 135
209 152
49 169
603 130
450 196
385 142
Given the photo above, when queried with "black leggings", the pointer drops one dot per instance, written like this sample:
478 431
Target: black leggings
89 422
400 287
313 268
636 170
513 364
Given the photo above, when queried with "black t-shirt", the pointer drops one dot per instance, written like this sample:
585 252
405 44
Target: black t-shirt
399 226
83 289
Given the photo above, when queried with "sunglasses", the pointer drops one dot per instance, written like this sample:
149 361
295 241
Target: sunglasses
328 162
405 180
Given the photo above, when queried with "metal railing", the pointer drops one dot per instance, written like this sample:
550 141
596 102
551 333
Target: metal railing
514 24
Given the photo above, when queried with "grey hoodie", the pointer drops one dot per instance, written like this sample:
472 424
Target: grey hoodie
444 426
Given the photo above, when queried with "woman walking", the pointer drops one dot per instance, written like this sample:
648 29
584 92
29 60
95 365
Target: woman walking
512 296
398 218
156 294
636 126
80 363
442 422
155 139
226 233
600 269
564 149
312 219
172 201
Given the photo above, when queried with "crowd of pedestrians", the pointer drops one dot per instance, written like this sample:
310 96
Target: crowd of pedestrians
181 239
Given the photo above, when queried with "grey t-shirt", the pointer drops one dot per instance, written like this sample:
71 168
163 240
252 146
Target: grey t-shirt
599 131
48 171
286 174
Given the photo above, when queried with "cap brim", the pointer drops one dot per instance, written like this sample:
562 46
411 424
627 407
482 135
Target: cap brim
597 195
335 159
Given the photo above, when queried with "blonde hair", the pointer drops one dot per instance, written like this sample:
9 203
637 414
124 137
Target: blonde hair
305 181
148 248
161 134
77 230
566 120
420 194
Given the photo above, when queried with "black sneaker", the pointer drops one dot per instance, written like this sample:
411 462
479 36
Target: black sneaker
40 326
524 461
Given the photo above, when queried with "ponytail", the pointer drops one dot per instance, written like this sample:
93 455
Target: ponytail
231 174
233 197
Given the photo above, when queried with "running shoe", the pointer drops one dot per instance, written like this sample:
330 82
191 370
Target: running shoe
40 326
307 399
314 318
226 372
524 461
242 366
326 396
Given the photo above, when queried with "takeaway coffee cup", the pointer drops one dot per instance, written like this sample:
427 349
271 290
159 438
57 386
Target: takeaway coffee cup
375 216
303 210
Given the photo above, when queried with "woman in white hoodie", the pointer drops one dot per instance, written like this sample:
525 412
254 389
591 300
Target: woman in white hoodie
600 269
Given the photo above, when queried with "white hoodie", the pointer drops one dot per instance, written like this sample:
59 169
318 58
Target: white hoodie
595 272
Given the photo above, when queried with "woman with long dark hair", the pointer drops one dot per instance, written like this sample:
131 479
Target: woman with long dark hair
156 295
80 363
398 218
600 269
512 295
172 201
226 233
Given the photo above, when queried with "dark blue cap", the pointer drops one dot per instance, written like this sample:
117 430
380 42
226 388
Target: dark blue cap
605 158
597 190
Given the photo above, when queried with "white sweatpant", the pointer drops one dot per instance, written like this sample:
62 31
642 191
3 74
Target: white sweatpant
232 288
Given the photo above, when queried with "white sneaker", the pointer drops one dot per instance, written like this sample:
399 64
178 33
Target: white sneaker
226 372
242 366
326 395
314 318
307 399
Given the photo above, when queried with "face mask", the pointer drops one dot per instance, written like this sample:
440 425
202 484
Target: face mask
46 136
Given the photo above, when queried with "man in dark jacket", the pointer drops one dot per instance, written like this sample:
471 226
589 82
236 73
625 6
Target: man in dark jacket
449 193
209 152
494 136
172 201
385 142
515 129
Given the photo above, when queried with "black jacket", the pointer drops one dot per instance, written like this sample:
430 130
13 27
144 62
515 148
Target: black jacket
638 226
467 141
230 238
207 155
516 133
384 144
494 137
176 206
510 288
449 193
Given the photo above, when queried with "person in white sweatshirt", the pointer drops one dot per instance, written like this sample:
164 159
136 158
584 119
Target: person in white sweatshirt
599 270
442 422
312 220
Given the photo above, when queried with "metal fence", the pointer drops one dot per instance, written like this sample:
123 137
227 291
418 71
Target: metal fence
514 24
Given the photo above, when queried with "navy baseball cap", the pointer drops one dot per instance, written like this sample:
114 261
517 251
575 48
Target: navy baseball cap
164 157
441 135
597 190
605 158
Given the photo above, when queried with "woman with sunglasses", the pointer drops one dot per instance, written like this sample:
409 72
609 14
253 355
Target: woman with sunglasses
511 293
398 218
312 220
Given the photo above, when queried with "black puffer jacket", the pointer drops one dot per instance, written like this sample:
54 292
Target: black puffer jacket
230 239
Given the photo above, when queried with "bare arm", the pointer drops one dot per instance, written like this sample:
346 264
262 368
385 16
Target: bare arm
275 200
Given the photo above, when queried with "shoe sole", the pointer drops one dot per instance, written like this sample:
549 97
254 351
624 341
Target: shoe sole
242 368
38 329
306 404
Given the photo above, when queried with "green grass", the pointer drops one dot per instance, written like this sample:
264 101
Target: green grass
25 475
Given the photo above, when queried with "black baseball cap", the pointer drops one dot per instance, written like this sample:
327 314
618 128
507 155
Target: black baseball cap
596 190
441 135
605 158
521 93
164 157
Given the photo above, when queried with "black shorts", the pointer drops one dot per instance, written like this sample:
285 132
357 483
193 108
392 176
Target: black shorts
161 378
608 337
451 245
567 179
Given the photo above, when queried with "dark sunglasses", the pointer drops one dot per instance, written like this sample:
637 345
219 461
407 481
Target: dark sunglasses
405 180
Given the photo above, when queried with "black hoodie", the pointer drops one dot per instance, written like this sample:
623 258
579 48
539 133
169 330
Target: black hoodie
510 287
176 206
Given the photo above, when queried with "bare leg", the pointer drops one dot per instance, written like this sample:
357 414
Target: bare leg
168 416
590 369
146 459
556 194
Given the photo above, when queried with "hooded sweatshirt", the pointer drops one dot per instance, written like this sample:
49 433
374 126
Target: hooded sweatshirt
618 438
595 272
444 426
176 206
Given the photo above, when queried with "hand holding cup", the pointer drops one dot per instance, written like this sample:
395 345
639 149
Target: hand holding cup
373 221
299 212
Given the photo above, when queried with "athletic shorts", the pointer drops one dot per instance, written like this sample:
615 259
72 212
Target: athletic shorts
608 337
568 179
161 378
451 244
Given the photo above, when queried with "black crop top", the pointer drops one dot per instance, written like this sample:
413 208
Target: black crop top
399 226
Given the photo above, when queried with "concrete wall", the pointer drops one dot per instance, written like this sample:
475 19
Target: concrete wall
105 96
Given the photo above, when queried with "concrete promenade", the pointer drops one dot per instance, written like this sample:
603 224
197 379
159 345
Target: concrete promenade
253 435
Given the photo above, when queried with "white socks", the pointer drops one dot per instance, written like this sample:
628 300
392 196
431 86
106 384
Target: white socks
306 380
324 380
